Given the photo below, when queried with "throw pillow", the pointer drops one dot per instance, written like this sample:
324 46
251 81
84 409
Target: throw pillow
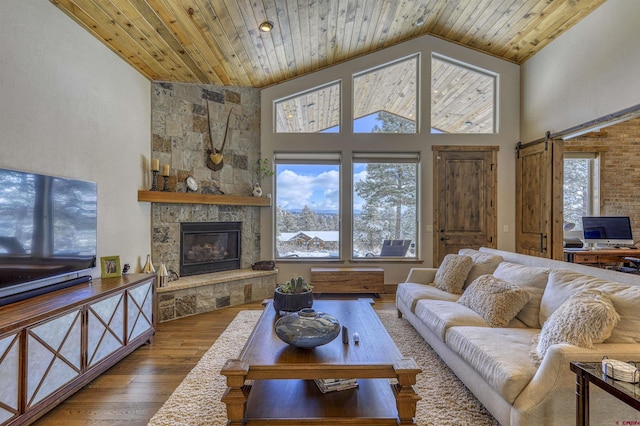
495 300
585 318
531 278
483 263
452 273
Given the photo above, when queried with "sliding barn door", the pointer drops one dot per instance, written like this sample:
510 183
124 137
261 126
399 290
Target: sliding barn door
539 178
465 182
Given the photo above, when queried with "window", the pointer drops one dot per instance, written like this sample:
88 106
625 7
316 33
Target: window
385 98
463 98
307 205
384 205
317 110
581 188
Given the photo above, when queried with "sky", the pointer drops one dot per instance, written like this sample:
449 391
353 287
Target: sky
318 185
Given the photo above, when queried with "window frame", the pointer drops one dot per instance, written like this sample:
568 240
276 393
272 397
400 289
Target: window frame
417 57
389 157
308 158
595 158
339 102
496 87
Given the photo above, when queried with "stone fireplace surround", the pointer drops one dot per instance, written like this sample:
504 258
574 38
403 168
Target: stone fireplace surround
180 132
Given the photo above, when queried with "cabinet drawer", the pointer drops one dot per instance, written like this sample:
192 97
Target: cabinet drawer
597 258
585 258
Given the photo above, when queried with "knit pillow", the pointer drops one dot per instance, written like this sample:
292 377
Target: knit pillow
585 318
452 272
495 300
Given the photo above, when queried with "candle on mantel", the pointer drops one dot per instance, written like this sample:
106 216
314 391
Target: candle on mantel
165 170
155 165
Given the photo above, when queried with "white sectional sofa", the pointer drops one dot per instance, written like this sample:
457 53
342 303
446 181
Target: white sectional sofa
498 363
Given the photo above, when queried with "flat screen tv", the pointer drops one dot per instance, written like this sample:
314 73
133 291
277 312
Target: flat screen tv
48 229
607 230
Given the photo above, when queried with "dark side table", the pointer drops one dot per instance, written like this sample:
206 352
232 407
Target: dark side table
591 372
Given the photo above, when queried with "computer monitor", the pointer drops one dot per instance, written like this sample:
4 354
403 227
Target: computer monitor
607 230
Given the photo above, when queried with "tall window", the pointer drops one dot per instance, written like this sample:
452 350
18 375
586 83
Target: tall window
385 205
307 205
463 98
581 187
388 93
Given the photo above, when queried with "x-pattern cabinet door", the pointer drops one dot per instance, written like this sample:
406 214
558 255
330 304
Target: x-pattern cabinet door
54 355
105 328
9 376
139 310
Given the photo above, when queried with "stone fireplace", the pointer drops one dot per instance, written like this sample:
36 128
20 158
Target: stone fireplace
187 119
209 247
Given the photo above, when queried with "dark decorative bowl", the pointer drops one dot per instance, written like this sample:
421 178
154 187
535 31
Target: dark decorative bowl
307 328
291 302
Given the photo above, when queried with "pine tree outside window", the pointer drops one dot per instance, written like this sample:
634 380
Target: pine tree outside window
385 205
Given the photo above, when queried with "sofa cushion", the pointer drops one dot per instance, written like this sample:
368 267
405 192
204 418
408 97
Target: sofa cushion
483 263
452 272
411 293
626 299
499 355
440 315
585 318
496 301
531 278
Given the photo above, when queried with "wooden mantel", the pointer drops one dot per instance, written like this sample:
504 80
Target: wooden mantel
192 198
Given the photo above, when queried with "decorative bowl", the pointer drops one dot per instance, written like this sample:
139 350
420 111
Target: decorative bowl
307 328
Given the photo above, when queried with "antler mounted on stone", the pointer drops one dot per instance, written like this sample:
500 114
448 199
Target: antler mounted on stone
215 160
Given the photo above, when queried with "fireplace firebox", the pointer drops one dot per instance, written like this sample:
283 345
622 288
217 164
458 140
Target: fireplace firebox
209 247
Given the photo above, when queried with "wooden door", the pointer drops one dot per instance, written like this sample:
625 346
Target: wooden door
539 177
464 211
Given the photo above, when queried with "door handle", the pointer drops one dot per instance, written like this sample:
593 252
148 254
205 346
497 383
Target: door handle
543 245
444 238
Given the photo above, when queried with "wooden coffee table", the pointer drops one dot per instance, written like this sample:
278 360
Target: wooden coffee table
272 382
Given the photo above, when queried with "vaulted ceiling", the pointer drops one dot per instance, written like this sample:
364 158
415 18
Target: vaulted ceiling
218 41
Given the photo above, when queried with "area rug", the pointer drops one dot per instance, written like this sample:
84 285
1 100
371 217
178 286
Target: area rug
445 400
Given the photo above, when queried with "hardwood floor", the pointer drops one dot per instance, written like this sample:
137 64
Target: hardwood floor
133 390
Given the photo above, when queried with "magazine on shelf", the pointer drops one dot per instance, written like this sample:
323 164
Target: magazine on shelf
330 385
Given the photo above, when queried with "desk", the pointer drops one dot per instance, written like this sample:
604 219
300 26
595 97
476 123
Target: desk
591 372
600 258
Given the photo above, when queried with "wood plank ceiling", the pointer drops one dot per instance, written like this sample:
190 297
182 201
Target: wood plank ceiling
218 42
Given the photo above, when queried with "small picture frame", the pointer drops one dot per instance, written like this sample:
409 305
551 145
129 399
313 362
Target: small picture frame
110 266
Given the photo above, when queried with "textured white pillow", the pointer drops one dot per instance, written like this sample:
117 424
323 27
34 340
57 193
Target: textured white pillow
626 299
585 318
452 273
495 300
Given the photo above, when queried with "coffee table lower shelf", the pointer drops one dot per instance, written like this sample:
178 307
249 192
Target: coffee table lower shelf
300 402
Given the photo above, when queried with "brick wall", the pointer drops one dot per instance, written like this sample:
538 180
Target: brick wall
620 177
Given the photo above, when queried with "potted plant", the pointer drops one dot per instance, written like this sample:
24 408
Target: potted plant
293 295
262 169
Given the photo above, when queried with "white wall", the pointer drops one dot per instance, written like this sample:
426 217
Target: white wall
70 107
588 72
506 139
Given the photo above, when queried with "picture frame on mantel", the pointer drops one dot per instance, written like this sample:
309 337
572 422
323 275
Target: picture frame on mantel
110 266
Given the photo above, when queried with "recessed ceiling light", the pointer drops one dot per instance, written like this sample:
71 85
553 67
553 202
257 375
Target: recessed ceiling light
266 26
419 22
